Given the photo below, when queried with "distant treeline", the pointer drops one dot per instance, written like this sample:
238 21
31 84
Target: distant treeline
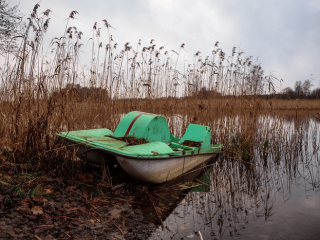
302 90
82 93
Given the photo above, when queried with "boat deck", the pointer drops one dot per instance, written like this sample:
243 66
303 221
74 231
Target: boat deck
103 139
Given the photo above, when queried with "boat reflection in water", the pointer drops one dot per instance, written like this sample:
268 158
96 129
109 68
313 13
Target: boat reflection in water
276 196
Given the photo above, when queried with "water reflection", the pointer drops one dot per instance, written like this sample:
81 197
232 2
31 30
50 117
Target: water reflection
275 196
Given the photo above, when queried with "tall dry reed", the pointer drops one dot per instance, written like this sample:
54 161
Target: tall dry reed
44 93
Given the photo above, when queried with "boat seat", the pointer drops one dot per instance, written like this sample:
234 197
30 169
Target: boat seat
140 125
197 136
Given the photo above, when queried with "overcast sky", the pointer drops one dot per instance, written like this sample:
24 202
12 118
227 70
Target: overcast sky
283 34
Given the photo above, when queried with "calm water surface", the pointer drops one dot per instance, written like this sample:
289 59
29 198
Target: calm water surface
277 197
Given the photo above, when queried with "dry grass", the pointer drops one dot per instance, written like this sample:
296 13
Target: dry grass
264 139
31 128
40 94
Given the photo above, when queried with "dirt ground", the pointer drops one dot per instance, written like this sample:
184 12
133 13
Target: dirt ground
75 205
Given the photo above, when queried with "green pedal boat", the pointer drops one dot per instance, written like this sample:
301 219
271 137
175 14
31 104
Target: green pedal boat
144 147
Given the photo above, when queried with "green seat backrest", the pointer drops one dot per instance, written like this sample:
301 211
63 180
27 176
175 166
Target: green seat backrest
200 134
151 127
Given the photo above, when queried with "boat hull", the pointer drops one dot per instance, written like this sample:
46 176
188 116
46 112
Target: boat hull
86 153
163 170
151 170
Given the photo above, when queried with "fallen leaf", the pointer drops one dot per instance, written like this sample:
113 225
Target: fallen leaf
23 209
82 209
24 205
123 220
92 221
89 178
71 209
37 210
37 237
80 177
46 179
7 149
4 183
85 194
115 213
59 179
85 177
184 226
38 198
158 210
48 189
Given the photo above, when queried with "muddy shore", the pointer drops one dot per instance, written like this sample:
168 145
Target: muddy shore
79 205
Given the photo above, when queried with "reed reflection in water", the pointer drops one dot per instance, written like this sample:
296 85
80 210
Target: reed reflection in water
274 194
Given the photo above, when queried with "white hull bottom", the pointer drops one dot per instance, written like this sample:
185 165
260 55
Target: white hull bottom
160 171
148 170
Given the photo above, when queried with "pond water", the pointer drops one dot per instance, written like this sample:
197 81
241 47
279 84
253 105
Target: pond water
276 196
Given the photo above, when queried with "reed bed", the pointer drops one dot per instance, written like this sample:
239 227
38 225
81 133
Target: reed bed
265 139
45 93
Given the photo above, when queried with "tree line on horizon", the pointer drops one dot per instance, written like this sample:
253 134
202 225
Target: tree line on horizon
301 90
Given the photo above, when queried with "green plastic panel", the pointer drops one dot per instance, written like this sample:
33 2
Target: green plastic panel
149 149
83 135
151 127
197 133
